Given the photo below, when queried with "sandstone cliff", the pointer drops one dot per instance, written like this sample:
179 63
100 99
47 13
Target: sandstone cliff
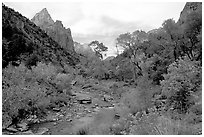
55 30
23 41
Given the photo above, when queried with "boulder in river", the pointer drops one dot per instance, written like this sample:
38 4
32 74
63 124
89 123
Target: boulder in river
84 99
56 109
12 129
22 127
107 98
87 86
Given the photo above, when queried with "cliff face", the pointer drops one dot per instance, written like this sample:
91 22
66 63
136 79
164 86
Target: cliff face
55 30
23 41
188 8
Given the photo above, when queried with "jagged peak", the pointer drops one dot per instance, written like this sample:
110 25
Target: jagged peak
42 16
44 10
59 23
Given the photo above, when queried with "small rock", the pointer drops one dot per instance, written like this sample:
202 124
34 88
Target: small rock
75 101
93 106
86 86
85 101
56 109
111 107
96 109
34 116
42 131
22 126
69 120
29 132
107 98
88 111
55 123
73 82
42 120
11 129
54 119
117 116
36 120
61 115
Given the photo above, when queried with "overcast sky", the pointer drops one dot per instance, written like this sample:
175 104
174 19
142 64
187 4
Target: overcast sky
90 20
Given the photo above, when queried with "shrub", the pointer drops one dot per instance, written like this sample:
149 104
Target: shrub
31 91
167 126
122 125
63 81
140 98
83 131
80 81
181 84
155 124
145 125
70 70
21 96
44 72
102 122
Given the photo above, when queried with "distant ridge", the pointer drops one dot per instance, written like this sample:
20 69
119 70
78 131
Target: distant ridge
55 30
23 41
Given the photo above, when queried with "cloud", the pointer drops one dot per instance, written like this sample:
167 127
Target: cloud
118 26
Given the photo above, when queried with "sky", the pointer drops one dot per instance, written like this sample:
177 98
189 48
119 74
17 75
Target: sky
103 20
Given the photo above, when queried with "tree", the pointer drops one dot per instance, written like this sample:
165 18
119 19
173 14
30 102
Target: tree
131 43
181 84
98 48
175 35
193 33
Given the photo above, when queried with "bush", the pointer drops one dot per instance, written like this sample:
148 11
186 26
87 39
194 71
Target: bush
155 124
122 125
80 80
181 84
31 91
140 98
83 131
44 72
21 96
63 81
145 125
117 91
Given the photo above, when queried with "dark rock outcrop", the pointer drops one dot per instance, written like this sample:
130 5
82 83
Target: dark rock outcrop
55 30
23 41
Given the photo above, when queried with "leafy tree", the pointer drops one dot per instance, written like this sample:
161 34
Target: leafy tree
174 36
181 84
193 33
98 48
131 43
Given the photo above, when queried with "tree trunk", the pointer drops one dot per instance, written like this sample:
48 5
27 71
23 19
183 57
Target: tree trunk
134 74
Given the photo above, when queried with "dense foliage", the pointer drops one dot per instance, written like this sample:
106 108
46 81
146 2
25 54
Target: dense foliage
182 84
32 91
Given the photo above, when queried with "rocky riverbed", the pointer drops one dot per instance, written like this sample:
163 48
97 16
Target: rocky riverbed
88 101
